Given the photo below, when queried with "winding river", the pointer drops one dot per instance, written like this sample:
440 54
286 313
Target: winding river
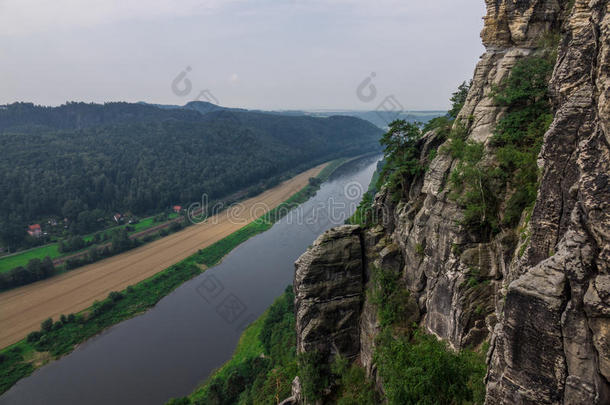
169 350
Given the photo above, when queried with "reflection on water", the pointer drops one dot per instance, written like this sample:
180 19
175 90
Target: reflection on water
170 349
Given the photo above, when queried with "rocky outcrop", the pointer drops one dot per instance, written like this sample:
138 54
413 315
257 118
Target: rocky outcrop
328 289
297 393
512 30
542 301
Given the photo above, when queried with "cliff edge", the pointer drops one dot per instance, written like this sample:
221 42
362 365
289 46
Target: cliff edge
539 291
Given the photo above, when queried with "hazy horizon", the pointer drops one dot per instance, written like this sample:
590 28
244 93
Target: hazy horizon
269 55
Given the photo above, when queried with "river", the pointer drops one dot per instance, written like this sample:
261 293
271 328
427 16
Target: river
169 350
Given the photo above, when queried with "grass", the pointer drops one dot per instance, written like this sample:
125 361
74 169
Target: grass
144 224
21 259
19 360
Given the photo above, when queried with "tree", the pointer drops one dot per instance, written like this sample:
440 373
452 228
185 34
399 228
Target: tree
35 269
12 233
47 325
20 276
48 267
315 374
401 156
86 222
71 209
93 254
33 336
519 135
458 99
121 241
422 370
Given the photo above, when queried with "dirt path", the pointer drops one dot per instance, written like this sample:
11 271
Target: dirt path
23 309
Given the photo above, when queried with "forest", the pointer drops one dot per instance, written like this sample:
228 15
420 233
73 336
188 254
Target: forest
85 162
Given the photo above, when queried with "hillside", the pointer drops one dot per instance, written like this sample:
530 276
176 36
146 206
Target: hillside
85 161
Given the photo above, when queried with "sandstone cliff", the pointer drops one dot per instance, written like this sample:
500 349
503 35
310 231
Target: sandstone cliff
553 342
543 301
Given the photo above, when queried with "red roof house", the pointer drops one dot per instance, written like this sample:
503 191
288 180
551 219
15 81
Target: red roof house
35 230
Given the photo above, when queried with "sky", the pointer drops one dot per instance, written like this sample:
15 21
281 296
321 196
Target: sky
257 54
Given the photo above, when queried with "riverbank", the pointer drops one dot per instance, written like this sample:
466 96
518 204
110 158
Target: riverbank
264 361
22 358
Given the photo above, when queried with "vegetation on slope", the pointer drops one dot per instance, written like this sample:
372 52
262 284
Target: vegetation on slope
481 186
364 212
401 155
86 162
402 146
492 192
417 368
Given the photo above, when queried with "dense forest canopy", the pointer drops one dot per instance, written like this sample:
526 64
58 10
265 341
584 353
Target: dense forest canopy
81 161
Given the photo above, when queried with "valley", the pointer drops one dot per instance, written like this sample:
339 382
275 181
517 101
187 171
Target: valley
24 308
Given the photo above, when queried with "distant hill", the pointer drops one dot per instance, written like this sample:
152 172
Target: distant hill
202 107
379 118
27 116
85 160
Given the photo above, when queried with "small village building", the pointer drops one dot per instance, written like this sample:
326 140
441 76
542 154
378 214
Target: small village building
35 230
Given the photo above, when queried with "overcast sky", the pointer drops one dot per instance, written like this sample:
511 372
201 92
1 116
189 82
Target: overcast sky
267 54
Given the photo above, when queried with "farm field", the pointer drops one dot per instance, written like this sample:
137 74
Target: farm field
23 309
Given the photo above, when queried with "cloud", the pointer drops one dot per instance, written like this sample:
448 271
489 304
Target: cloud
277 54
18 17
22 17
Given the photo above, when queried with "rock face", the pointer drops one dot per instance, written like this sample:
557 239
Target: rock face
512 30
553 342
543 302
328 289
